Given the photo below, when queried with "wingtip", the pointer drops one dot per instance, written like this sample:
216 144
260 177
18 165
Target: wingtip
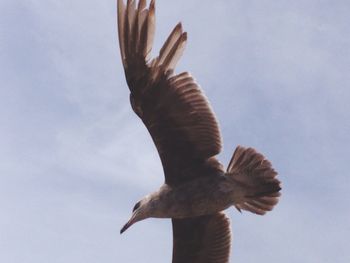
120 21
184 36
141 5
178 27
152 6
152 12
120 7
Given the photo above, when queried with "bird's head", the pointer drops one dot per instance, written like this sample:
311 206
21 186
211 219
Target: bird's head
139 212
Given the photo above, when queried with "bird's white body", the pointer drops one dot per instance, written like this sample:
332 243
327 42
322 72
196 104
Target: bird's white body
203 196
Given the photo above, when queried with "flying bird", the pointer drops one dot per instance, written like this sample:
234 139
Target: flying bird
185 131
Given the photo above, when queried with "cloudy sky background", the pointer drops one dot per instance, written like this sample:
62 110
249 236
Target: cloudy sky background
74 158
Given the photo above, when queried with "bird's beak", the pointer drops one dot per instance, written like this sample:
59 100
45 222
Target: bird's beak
128 224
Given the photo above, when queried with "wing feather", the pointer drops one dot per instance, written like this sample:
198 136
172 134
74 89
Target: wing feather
173 107
169 43
151 28
205 239
121 17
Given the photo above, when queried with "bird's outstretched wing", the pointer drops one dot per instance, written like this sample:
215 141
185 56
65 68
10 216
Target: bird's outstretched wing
173 107
204 239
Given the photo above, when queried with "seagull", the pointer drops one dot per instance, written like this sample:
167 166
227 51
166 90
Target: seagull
186 134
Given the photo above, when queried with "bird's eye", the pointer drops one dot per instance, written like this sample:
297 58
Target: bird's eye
137 206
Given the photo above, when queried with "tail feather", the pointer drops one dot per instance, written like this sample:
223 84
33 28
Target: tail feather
256 178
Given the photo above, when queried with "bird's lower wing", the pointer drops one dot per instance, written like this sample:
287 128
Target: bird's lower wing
172 107
204 239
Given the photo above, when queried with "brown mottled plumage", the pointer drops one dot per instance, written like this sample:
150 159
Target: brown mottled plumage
187 136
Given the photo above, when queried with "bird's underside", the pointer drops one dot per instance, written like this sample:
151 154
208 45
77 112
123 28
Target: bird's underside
186 134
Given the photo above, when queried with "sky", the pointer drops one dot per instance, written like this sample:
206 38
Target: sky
74 158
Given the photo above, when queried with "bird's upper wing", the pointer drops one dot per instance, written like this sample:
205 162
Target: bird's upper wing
173 107
204 239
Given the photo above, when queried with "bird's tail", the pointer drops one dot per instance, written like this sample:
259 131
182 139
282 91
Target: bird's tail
255 179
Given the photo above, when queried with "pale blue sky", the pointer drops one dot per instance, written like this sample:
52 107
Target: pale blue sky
74 158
